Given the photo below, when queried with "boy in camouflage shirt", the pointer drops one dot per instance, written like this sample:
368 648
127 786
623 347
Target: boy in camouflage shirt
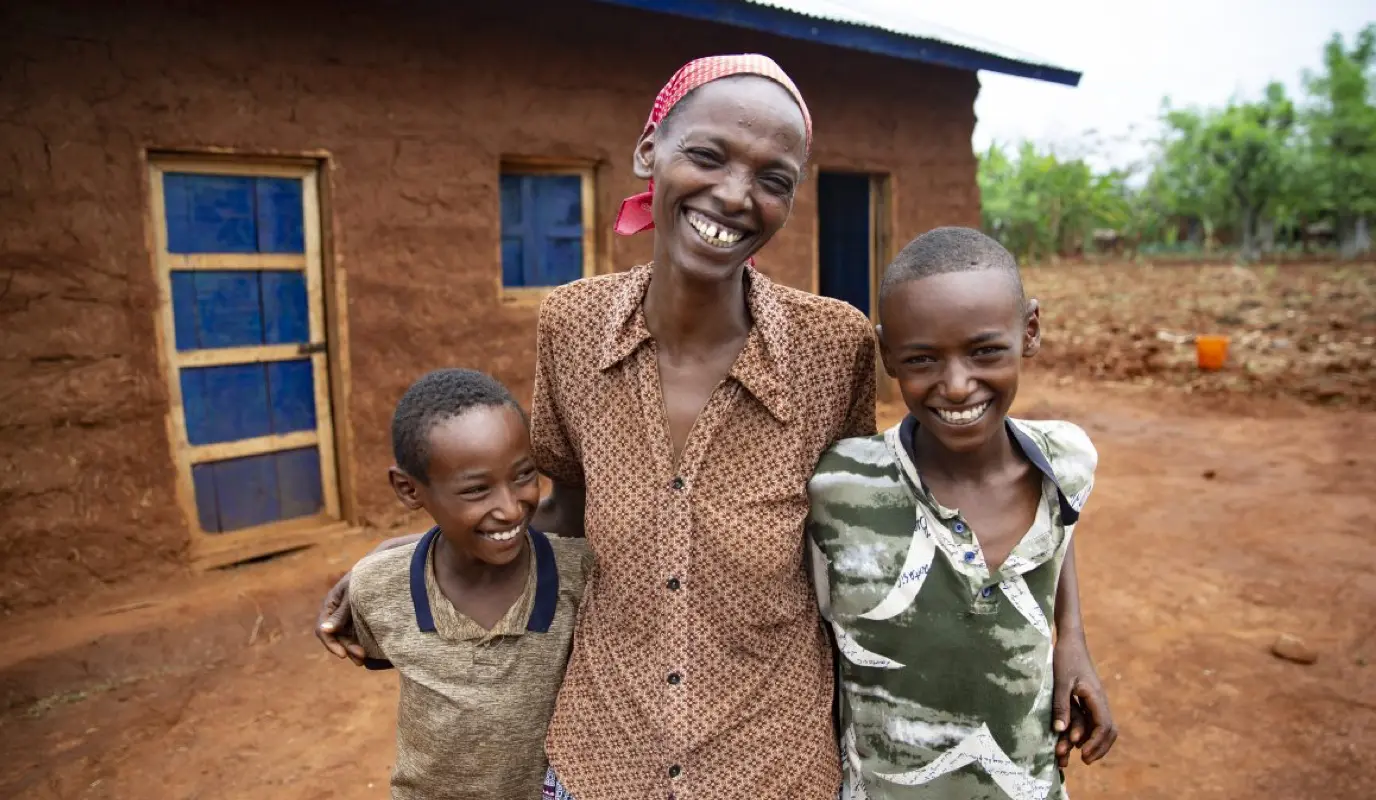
943 548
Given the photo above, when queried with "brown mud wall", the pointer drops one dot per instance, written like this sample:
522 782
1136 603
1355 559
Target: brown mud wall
415 105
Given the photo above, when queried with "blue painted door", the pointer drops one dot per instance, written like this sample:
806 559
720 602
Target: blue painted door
844 238
250 369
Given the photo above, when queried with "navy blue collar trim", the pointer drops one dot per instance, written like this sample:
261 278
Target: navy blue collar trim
907 433
546 583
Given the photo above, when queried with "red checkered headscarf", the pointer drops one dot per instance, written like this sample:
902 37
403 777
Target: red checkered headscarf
635 215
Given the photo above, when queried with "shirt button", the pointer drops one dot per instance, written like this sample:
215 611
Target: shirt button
988 590
675 679
677 483
674 771
969 556
674 584
960 527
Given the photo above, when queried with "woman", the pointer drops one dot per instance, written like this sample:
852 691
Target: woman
680 408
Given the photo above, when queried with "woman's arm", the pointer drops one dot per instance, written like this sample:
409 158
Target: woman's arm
334 624
562 511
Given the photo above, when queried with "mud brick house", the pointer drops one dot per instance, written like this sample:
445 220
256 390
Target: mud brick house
232 233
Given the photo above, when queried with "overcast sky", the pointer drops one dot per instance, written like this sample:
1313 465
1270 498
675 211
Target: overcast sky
1132 54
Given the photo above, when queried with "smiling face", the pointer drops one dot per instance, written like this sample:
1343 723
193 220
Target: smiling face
725 165
955 341
482 485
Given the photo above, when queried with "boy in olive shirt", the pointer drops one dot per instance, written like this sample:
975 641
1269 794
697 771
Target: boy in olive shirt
478 615
947 545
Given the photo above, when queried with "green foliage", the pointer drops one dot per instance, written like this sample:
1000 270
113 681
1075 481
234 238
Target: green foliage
1341 124
1252 168
1039 205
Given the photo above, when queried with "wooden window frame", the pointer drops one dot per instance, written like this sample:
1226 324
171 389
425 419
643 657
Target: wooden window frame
587 172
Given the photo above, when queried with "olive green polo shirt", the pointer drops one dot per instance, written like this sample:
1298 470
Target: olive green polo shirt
475 704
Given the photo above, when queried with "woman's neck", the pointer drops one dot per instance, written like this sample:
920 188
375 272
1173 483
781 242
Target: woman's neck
686 313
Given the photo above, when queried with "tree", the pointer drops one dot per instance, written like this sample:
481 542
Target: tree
1255 166
1038 204
1184 177
1231 163
1342 130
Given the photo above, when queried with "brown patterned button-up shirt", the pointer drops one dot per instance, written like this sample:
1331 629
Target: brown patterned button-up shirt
699 668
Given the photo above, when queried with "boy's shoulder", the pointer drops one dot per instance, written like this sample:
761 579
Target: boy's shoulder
572 558
860 464
856 454
1067 449
382 577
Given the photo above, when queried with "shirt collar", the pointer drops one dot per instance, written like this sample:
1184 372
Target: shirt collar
763 365
546 583
1069 514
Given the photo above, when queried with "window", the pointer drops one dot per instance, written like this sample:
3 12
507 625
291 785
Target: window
546 226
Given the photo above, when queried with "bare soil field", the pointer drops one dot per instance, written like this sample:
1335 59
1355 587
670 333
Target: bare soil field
1304 330
1231 507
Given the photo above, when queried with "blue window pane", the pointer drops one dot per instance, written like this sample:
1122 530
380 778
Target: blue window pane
513 261
298 481
291 392
542 229
247 491
512 212
207 509
209 213
224 404
229 309
286 319
281 217
560 200
216 309
184 310
563 261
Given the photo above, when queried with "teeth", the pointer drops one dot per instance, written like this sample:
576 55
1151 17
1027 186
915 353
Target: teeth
503 536
713 234
962 417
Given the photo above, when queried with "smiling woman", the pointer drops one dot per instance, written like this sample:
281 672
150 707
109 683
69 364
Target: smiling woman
691 397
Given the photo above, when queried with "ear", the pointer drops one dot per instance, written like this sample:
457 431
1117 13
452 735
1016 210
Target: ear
643 160
408 489
884 355
1032 332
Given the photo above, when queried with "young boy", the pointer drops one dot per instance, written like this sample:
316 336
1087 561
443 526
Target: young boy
478 616
945 540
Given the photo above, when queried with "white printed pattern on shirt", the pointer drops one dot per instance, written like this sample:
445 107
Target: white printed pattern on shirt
977 748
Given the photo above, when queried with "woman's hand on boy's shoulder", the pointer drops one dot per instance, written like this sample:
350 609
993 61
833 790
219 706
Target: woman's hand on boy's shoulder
1079 705
334 624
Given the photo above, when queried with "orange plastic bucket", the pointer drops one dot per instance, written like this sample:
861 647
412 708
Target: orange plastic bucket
1211 351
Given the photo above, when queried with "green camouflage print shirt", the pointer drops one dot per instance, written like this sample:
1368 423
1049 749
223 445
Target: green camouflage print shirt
945 670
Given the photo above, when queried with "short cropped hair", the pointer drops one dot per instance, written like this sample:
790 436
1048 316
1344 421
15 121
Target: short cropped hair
949 249
437 397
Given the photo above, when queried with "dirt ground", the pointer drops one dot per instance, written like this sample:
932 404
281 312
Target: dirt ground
1230 508
1303 331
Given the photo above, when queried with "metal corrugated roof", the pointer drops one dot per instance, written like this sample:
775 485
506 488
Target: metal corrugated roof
894 32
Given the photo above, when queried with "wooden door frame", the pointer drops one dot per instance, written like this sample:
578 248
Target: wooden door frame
883 214
325 308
